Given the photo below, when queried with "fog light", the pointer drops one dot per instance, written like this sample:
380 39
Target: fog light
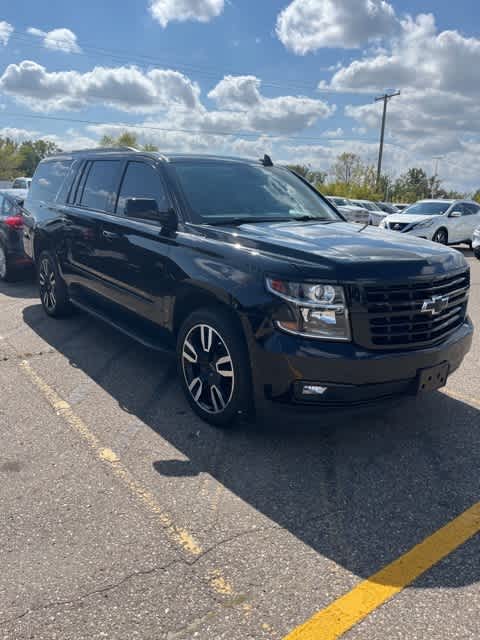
313 390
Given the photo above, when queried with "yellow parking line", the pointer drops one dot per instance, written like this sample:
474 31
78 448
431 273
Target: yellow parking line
346 612
178 535
63 409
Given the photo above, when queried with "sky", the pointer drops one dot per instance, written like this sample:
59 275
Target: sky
293 78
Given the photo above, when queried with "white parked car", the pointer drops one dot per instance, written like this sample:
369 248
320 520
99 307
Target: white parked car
443 221
476 242
376 215
351 211
21 183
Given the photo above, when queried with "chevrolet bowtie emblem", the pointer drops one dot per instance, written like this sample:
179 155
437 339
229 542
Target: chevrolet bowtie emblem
436 305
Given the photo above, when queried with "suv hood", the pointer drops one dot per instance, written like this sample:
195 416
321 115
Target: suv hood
346 250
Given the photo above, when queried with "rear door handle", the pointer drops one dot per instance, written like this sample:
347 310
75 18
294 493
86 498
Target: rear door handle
109 235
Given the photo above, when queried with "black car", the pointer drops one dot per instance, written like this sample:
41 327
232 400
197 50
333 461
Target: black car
387 207
266 295
12 255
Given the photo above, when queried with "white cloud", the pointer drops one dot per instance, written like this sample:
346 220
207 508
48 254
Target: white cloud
6 31
282 115
18 134
57 39
124 88
307 25
237 92
165 11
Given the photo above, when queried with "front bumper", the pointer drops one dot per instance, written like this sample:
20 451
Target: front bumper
426 233
352 375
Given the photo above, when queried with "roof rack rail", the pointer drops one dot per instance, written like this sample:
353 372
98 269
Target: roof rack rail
105 149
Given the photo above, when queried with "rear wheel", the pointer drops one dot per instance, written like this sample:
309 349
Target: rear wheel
441 236
5 269
213 367
52 288
476 251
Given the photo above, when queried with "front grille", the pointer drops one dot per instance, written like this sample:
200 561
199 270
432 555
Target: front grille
392 315
398 226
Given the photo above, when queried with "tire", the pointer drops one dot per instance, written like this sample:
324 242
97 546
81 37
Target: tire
6 271
477 253
52 287
441 236
213 367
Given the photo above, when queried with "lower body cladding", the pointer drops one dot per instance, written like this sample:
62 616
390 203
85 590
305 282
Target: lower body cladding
316 375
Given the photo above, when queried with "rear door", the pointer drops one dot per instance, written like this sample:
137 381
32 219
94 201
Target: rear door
472 219
91 202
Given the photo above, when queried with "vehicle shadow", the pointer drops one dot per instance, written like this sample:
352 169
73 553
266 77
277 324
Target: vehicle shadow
358 490
22 287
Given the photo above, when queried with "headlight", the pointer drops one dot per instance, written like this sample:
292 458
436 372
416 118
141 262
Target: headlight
476 233
424 225
314 310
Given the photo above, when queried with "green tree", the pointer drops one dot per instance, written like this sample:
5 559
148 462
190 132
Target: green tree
476 196
126 139
9 159
412 186
31 153
346 167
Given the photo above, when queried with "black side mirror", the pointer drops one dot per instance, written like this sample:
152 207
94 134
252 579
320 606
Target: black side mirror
147 209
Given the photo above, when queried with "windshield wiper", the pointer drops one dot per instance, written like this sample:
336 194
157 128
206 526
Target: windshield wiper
239 221
308 218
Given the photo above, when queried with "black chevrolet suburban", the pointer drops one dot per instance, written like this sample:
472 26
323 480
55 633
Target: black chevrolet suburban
267 297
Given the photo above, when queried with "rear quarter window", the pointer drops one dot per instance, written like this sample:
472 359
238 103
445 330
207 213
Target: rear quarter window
48 179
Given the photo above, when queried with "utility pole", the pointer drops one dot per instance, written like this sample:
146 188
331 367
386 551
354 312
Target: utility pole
385 98
435 173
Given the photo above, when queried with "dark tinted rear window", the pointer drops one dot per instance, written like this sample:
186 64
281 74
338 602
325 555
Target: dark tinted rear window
48 179
100 191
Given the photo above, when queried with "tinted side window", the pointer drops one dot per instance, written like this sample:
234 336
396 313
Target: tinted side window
141 181
48 179
101 185
472 209
8 208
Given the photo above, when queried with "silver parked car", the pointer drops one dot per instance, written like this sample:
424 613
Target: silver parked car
376 215
351 211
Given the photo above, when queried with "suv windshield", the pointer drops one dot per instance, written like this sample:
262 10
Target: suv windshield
428 208
219 192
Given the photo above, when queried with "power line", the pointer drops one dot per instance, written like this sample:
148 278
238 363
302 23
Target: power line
239 134
145 61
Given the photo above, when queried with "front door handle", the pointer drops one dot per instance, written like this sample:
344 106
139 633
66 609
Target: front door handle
109 235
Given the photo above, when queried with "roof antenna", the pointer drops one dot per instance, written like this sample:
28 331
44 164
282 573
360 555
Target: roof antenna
266 161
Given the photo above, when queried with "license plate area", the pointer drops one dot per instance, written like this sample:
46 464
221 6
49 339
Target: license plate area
433 378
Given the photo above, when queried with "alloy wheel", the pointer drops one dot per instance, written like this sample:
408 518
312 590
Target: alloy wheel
208 369
48 285
440 237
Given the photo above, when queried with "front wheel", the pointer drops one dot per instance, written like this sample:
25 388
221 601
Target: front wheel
213 366
52 288
440 236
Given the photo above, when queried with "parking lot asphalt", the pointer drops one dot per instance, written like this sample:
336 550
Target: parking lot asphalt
123 516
